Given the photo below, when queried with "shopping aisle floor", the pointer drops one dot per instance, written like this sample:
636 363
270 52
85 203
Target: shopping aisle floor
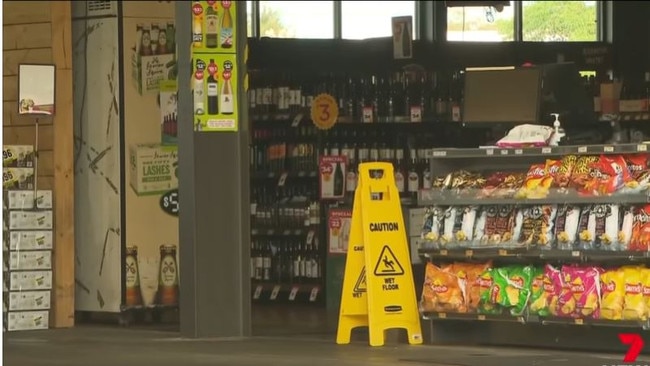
300 338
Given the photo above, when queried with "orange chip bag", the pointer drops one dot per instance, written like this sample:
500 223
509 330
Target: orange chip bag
562 177
581 174
635 305
613 294
442 291
536 183
470 273
640 239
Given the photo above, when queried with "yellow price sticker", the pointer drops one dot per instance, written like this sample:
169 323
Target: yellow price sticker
324 111
579 321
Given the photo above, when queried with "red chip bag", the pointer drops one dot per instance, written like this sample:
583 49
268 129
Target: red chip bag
618 174
641 229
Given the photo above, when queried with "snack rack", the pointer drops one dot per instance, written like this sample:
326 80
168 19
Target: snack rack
602 242
27 241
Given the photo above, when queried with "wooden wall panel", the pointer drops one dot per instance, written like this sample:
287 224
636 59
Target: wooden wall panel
40 32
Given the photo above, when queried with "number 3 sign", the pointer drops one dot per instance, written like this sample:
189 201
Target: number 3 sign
324 111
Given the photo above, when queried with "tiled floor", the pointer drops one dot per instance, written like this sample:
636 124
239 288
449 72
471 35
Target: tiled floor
298 338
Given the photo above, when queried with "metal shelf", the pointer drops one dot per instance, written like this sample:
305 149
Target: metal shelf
495 152
448 198
534 253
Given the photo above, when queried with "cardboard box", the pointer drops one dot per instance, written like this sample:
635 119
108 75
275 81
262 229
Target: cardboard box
153 168
18 178
18 156
29 240
30 220
149 71
28 280
27 320
28 261
610 94
27 300
24 200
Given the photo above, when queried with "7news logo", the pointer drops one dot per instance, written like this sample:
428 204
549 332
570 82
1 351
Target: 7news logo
635 344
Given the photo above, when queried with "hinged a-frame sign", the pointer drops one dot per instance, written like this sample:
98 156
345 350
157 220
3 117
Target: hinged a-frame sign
378 288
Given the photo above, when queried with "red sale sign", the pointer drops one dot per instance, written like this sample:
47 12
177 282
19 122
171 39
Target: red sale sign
635 343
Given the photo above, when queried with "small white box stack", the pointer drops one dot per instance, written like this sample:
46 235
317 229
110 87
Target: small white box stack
27 243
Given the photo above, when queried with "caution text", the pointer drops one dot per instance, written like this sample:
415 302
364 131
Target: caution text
384 226
389 284
358 248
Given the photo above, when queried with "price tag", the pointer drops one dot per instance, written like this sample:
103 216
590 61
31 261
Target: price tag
582 149
546 150
503 252
489 151
324 111
275 292
608 149
439 153
575 253
287 232
444 252
469 253
504 152
579 321
642 147
314 294
293 293
442 315
519 151
481 317
520 319
282 180
367 115
296 120
416 114
257 293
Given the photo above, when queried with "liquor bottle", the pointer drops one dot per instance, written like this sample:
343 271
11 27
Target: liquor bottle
162 41
413 176
226 28
399 170
138 40
297 263
266 262
145 43
197 25
168 276
253 259
133 294
211 33
227 97
213 94
338 181
171 37
199 94
259 263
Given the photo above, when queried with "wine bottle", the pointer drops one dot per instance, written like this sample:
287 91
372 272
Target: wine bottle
211 34
338 181
213 95
227 102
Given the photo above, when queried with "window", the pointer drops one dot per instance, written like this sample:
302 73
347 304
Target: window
540 21
362 19
480 24
249 18
557 21
297 19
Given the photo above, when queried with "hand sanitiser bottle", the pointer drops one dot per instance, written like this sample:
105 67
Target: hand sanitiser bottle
559 133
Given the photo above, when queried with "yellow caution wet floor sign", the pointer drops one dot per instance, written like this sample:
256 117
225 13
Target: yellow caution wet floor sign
378 288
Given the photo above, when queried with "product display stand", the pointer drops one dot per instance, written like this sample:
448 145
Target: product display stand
562 244
27 240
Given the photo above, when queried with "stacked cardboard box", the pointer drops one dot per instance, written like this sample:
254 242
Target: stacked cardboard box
27 243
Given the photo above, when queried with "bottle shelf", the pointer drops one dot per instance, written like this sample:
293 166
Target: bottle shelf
271 231
287 292
289 174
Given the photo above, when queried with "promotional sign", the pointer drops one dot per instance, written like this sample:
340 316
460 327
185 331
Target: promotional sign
402 37
214 87
214 77
324 111
339 222
332 176
378 287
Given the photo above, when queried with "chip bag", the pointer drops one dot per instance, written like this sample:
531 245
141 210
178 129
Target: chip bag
613 294
485 283
536 183
541 291
640 239
518 289
646 289
470 273
584 284
562 177
635 306
442 291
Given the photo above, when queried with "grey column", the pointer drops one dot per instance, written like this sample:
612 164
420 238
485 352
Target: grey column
214 227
